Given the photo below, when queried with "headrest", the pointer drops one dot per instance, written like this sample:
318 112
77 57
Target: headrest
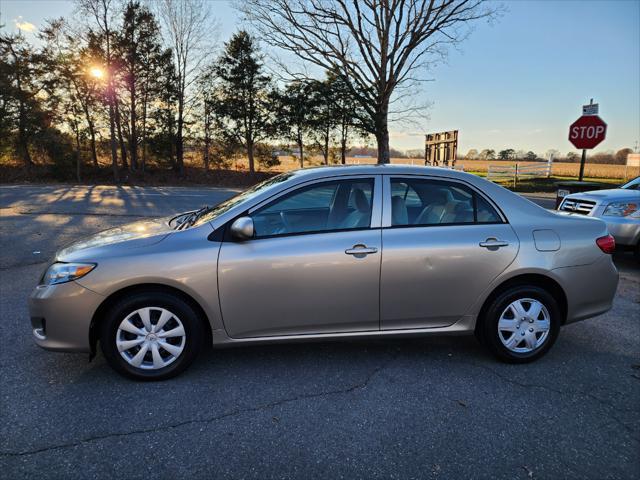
360 200
399 214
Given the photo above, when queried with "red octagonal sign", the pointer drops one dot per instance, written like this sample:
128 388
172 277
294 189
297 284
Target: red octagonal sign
587 132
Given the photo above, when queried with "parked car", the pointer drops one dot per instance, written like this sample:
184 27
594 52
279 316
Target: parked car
329 253
618 207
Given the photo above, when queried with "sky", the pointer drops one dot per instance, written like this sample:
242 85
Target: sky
516 83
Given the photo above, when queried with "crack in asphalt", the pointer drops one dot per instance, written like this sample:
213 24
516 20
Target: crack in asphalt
240 411
561 392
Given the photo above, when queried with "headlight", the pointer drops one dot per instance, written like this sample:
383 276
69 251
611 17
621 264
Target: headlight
65 272
621 209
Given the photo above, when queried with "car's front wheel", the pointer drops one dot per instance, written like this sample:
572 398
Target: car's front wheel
521 324
151 335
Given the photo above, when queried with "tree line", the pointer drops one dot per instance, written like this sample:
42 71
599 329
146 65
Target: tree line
137 81
121 81
617 158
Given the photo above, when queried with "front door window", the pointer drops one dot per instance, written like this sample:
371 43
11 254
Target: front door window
321 207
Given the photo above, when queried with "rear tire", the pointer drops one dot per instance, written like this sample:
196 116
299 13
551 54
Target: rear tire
521 324
151 335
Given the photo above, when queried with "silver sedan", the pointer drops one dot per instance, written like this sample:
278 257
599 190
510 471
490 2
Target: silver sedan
618 207
329 253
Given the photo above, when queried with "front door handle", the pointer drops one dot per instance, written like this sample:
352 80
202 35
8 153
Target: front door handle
360 249
493 243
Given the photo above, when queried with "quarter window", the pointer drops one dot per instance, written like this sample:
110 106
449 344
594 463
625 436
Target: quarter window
327 206
436 202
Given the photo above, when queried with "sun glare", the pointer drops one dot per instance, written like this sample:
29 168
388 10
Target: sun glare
96 72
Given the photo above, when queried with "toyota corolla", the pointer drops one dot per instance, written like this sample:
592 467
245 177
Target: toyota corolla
328 253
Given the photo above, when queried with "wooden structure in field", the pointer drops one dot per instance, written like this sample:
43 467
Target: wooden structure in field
441 148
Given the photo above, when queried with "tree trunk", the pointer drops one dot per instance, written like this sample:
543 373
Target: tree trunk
90 124
133 139
112 100
23 147
144 129
179 139
172 143
78 157
382 132
207 147
301 148
343 144
207 136
92 136
250 155
326 147
382 138
123 148
112 140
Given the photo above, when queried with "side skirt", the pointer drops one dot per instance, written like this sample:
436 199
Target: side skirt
465 326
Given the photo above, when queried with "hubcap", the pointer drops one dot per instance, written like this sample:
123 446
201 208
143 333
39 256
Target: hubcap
524 325
150 338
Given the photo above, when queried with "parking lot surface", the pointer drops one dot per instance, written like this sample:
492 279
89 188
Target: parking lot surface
427 408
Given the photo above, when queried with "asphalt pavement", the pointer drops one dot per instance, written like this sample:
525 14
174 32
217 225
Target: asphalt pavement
425 408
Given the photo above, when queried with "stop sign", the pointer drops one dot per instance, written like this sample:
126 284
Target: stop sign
587 132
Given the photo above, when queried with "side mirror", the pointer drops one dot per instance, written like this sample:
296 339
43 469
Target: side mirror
242 229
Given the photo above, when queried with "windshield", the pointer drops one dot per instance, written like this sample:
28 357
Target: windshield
227 205
633 184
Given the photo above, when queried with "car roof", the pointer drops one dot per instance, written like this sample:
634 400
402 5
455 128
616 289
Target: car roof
374 169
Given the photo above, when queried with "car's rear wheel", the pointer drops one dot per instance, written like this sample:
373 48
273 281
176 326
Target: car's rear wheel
151 335
521 324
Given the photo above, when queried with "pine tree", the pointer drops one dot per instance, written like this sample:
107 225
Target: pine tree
244 99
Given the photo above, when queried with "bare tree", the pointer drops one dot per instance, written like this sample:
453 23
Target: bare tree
187 26
378 45
102 12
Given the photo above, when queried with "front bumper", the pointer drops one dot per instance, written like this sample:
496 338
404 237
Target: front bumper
61 316
626 231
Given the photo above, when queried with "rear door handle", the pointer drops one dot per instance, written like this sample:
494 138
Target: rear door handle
493 243
360 250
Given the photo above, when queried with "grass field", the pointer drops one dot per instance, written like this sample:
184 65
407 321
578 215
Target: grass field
235 173
559 169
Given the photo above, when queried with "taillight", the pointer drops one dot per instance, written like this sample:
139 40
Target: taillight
607 244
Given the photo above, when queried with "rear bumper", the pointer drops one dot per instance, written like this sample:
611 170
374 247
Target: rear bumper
590 289
61 316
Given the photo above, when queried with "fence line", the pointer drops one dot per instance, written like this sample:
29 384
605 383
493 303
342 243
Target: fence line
511 173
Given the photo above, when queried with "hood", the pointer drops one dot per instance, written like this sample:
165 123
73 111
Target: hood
610 195
131 235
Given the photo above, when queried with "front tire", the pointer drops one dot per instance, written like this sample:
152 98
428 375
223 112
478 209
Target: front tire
521 324
151 335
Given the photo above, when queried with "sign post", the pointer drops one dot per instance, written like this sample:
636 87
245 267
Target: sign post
587 132
583 160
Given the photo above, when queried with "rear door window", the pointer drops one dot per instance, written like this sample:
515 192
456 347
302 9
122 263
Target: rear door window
427 202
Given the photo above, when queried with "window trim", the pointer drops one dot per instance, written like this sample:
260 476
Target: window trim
376 205
387 219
